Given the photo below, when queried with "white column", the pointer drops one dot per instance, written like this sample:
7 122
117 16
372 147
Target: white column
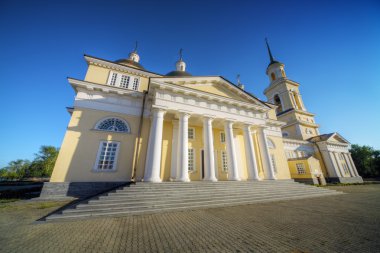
334 164
209 160
253 174
265 156
348 163
353 165
183 147
153 157
231 152
337 159
174 162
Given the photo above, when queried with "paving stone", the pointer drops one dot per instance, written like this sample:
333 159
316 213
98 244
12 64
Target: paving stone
340 223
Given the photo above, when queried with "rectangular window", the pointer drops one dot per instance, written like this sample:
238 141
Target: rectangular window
224 161
135 84
300 168
113 79
222 137
107 156
124 81
191 160
191 133
273 161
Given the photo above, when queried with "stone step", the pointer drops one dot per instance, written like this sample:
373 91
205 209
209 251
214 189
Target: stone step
115 213
183 194
125 189
137 202
149 197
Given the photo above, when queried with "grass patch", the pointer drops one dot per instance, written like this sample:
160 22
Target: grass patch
4 201
45 205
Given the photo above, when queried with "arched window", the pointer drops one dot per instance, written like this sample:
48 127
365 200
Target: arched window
270 143
113 125
277 102
273 76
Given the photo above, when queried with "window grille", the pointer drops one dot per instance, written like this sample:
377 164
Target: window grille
107 156
113 125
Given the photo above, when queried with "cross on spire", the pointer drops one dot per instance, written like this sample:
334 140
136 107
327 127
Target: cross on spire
180 54
135 50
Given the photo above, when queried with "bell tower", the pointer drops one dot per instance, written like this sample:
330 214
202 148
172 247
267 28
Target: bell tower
285 94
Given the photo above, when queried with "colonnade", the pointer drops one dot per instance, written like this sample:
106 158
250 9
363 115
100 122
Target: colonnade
180 147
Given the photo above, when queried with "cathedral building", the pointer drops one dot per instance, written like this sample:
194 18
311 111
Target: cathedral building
130 124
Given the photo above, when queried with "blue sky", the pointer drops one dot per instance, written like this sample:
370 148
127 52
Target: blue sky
330 47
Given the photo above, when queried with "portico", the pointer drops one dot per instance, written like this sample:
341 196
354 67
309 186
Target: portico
228 136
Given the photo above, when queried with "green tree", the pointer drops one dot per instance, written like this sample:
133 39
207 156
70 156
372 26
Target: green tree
367 160
17 169
43 164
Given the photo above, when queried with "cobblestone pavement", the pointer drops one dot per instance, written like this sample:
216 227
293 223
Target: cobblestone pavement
343 223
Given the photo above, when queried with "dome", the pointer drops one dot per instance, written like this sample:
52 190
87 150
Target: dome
130 63
178 73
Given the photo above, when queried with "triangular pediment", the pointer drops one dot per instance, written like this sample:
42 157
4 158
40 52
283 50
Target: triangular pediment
337 138
332 138
215 85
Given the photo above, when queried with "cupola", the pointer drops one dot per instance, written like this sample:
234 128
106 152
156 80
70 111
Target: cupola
180 66
133 59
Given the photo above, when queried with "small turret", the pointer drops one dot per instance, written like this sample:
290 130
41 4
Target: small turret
180 66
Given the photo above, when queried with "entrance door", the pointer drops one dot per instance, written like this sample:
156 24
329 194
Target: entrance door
203 163
319 180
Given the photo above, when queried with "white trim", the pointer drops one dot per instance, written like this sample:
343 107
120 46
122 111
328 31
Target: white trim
95 168
118 67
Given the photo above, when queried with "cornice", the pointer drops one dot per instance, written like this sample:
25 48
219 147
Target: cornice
210 96
209 80
119 67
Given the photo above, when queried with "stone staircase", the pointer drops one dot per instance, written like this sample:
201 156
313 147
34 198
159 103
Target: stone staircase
142 198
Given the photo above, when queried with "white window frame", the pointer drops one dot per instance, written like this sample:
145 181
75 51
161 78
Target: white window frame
135 86
222 136
224 160
300 169
107 118
128 80
193 160
130 84
110 78
192 129
114 168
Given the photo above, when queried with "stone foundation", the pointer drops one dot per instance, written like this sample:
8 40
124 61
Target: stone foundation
70 190
345 180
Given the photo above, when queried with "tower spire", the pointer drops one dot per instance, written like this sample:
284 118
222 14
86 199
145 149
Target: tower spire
269 52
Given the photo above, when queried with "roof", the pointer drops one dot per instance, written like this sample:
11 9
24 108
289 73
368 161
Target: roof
178 73
130 63
326 137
